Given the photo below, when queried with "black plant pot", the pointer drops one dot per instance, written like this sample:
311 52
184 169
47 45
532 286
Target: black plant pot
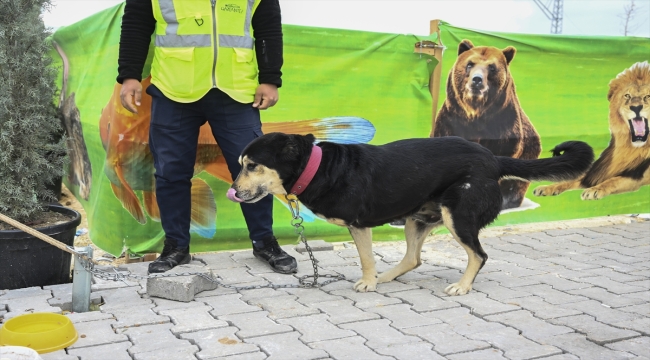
27 261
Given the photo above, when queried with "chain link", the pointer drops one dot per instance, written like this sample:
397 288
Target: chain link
296 221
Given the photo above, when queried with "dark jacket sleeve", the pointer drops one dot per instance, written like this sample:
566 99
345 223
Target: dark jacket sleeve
267 31
138 24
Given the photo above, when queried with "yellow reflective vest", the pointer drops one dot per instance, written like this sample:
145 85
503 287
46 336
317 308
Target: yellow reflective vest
203 44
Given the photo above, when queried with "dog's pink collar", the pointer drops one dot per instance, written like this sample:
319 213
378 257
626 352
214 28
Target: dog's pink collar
309 172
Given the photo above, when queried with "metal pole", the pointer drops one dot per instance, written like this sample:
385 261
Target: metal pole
81 282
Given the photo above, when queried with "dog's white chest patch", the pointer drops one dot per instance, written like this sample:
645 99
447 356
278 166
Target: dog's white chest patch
466 186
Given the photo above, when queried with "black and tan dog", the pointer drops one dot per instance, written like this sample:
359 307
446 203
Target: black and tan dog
429 182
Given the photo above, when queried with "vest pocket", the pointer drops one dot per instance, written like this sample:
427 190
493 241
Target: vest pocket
244 70
176 72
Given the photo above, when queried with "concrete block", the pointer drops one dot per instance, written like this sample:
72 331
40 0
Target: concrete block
315 245
180 288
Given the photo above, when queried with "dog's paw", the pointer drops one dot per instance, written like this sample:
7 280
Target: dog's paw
594 193
385 277
365 285
547 190
457 289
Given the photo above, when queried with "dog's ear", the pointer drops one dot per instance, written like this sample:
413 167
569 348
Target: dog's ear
310 138
509 53
464 46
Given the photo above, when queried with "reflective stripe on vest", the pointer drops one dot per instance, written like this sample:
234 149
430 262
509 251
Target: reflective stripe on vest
172 39
200 45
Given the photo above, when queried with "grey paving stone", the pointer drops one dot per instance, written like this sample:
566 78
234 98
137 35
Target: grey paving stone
315 328
218 261
220 343
551 295
62 296
462 322
310 297
495 291
380 334
228 305
638 346
480 305
327 259
314 245
642 309
395 286
578 345
94 333
422 300
608 298
261 293
622 267
350 348
283 307
509 281
114 351
541 308
514 345
625 250
25 305
89 316
161 304
595 331
571 263
602 313
181 288
367 299
286 347
35 291
625 259
56 355
402 316
640 324
611 285
255 324
280 279
530 326
238 276
412 351
486 354
431 283
516 270
181 352
121 298
137 316
561 357
445 340
192 319
150 338
343 311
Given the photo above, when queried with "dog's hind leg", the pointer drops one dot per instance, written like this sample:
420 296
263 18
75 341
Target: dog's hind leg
363 240
415 232
466 234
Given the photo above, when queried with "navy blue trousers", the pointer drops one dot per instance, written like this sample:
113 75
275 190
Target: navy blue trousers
173 138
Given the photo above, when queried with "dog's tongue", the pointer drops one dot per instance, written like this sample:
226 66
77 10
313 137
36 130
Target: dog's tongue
639 126
232 197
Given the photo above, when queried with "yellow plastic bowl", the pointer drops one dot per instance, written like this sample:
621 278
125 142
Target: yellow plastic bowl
43 332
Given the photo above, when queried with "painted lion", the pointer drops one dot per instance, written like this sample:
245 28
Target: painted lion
624 166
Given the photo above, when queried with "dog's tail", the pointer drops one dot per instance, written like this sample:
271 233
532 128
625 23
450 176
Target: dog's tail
570 160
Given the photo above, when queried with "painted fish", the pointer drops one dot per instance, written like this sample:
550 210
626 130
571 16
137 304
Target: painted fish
129 163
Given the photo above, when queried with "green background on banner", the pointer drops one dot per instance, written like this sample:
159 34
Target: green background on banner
561 82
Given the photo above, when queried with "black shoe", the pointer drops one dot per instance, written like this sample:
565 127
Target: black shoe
170 258
279 260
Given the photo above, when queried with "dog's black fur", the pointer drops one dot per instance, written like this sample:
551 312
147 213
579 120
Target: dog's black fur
429 181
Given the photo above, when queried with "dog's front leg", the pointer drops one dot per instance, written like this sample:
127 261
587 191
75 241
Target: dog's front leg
363 240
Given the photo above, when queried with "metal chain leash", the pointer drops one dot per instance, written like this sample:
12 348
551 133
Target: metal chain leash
296 222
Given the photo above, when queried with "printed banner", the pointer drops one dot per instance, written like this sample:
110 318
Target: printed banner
343 86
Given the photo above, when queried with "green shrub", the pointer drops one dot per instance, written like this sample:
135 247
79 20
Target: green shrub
32 149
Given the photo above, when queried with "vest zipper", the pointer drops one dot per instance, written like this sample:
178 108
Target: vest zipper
214 37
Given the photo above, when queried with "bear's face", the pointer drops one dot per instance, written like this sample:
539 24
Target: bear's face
480 75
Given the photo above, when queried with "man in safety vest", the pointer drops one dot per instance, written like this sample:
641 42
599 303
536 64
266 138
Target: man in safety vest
215 61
